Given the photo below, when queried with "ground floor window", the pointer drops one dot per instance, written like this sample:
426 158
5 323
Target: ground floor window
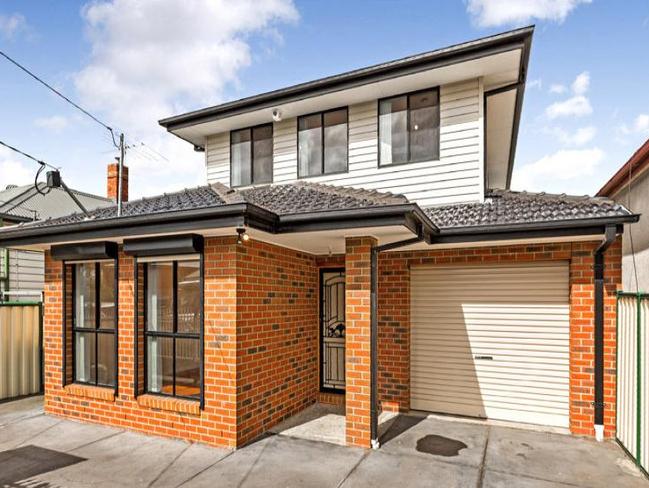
94 321
173 317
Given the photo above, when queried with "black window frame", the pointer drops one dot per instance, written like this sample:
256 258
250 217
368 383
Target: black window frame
322 148
174 335
378 126
252 155
97 329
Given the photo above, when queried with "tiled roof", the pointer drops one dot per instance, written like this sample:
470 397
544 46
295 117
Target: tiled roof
286 199
505 207
305 197
501 207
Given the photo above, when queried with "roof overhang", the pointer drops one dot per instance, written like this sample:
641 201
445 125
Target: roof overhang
318 233
500 60
223 220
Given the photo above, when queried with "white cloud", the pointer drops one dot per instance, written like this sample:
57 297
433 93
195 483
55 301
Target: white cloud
557 88
577 106
154 58
581 136
570 166
641 123
493 13
581 84
14 171
538 83
12 24
55 123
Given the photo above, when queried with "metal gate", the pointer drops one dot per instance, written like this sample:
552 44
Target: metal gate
632 375
21 352
332 327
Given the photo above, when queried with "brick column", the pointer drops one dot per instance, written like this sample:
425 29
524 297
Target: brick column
53 327
357 340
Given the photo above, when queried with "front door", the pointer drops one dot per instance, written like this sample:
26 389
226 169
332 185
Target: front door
332 329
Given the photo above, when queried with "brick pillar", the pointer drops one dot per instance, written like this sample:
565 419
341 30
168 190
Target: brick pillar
125 328
220 340
53 327
357 340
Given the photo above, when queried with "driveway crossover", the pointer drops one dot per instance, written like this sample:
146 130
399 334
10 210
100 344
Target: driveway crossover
48 452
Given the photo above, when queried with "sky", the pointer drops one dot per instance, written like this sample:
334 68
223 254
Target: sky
133 62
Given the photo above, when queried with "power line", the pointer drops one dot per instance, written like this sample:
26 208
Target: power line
42 163
58 93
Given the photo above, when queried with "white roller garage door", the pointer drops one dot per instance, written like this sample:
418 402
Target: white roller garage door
491 341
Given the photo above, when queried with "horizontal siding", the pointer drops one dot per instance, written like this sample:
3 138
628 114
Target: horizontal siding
217 158
518 315
456 177
26 272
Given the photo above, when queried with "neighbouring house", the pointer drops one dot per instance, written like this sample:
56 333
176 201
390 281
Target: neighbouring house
357 242
630 187
21 270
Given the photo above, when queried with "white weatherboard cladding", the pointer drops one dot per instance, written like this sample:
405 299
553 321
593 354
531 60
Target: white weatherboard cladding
518 315
456 177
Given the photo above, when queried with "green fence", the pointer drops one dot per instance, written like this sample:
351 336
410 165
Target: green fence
632 375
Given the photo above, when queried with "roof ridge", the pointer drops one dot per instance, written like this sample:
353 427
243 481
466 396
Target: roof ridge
497 192
373 195
227 194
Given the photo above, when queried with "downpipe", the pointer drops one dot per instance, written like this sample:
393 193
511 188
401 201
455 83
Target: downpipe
374 330
610 234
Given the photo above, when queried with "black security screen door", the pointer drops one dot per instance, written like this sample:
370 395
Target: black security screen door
332 326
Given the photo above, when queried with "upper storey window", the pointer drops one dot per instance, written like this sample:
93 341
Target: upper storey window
322 143
409 128
252 155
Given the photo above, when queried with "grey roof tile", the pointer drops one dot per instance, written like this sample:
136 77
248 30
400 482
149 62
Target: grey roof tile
506 207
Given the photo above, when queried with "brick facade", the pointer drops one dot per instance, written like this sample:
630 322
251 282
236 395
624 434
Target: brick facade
394 319
277 336
357 340
260 349
261 344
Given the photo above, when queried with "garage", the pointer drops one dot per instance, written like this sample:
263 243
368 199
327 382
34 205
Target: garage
491 341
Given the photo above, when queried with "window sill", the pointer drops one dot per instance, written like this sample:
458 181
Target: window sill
89 391
179 405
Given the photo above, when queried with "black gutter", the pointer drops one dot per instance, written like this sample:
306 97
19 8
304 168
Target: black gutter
598 270
507 41
374 327
231 215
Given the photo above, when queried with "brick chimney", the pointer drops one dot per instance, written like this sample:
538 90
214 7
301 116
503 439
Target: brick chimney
112 182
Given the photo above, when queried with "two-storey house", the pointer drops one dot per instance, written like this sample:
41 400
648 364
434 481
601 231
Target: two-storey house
357 243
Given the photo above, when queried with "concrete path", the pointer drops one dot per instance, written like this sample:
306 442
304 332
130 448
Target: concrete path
37 450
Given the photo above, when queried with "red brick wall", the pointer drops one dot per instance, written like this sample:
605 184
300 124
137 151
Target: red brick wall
357 340
216 424
277 342
394 320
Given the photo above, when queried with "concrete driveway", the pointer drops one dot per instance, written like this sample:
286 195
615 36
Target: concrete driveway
37 450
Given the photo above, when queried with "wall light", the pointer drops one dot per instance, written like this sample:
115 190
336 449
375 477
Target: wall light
242 236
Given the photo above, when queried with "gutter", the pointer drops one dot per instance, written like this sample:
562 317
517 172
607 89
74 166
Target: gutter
598 270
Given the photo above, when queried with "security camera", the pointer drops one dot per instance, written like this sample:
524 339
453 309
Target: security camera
277 115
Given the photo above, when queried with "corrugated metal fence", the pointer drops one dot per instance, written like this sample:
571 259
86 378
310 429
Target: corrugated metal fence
21 352
633 376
